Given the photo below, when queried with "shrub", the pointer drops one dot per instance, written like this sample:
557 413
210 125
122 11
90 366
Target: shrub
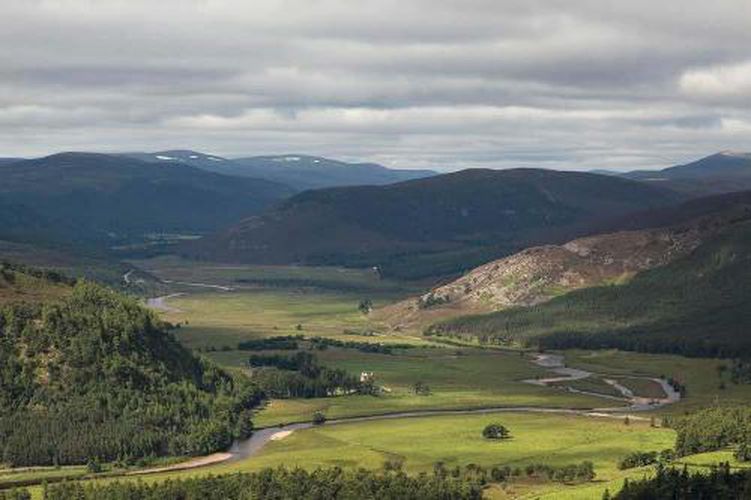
495 431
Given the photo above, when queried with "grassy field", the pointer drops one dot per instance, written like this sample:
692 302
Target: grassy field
590 384
458 378
271 300
250 276
456 440
642 387
219 319
699 375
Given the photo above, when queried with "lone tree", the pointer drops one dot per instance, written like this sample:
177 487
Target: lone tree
319 418
420 388
495 431
365 306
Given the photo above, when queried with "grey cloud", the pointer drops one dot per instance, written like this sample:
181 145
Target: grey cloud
411 83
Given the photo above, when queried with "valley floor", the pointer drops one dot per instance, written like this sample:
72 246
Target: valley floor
256 302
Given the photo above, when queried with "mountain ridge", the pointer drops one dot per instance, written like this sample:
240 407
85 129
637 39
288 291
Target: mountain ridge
300 171
93 196
469 214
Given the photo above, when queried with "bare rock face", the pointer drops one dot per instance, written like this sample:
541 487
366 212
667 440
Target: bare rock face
538 274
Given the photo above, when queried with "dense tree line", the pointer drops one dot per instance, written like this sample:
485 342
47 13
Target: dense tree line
97 376
571 473
281 343
711 429
300 376
721 483
280 484
293 342
698 305
367 347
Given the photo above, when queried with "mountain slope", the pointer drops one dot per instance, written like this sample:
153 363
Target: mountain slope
699 304
718 173
433 226
298 171
537 274
102 198
94 376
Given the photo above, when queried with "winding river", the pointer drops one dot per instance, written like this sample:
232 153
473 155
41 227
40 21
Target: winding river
555 363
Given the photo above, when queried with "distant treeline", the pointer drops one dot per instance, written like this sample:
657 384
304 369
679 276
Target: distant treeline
279 484
280 343
290 343
97 376
300 376
367 347
571 473
720 483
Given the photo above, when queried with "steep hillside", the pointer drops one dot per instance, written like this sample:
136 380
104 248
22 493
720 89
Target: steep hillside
94 376
723 172
699 304
93 197
434 226
538 274
298 171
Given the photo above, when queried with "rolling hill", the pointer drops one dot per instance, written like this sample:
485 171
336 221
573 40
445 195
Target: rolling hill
429 227
298 171
723 172
86 197
698 304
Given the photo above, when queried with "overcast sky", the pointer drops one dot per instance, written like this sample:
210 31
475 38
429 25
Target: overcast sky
574 84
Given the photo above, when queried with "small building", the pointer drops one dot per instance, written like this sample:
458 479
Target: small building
366 377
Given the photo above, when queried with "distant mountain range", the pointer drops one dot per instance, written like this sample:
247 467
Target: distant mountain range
300 172
87 197
410 223
439 225
719 173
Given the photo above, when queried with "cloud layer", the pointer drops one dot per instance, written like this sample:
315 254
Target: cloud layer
447 84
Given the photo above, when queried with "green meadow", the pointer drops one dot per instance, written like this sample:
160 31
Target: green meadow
456 440
457 378
701 376
268 301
